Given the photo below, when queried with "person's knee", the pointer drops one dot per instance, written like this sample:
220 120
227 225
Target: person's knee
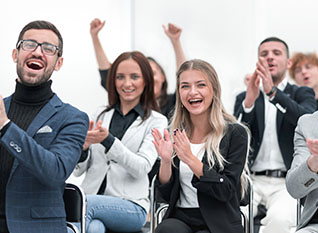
96 226
173 225
277 220
286 215
164 227
70 230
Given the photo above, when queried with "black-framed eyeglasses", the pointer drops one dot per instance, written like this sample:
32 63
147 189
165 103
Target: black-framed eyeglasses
31 45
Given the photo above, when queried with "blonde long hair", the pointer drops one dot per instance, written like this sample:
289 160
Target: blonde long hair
219 119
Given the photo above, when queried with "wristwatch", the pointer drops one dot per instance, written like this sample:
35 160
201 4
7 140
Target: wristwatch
272 91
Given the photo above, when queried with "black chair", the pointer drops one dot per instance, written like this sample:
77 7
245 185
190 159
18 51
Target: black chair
75 206
157 210
72 227
248 219
300 205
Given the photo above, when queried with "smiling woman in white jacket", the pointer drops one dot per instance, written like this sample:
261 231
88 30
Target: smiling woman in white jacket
118 152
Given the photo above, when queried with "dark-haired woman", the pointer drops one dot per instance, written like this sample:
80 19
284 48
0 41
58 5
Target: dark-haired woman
118 151
165 101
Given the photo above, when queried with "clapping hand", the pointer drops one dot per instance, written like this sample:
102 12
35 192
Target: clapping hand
163 145
182 146
96 135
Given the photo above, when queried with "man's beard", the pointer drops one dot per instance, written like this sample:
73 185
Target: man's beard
41 79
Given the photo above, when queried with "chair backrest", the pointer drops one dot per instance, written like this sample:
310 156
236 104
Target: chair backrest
153 205
72 227
157 210
75 205
300 205
248 219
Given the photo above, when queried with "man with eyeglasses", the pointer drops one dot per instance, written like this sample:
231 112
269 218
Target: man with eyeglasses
41 138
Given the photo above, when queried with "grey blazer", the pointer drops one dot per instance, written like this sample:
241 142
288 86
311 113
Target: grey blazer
127 163
300 181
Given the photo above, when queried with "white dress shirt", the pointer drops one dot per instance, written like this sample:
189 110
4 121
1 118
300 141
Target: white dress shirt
269 155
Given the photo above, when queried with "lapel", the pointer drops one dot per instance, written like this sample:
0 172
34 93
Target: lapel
106 118
46 112
131 132
260 117
176 162
280 115
133 129
7 102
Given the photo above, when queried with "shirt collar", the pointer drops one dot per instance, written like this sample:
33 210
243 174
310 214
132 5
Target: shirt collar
138 109
281 86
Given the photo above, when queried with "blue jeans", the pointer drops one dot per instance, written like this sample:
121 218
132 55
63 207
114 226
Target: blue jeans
113 213
69 230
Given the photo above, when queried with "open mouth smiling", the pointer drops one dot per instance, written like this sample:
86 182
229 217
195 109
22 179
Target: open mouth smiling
195 101
128 91
34 65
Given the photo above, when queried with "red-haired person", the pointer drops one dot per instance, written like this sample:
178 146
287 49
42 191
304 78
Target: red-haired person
304 71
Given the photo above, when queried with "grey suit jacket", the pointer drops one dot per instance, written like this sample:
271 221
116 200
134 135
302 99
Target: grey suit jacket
300 181
127 163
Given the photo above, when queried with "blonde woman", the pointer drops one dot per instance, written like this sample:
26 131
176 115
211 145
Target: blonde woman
202 168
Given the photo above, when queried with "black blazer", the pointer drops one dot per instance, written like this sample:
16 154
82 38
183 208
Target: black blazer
219 192
291 104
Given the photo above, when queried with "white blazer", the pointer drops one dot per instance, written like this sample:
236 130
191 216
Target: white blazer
127 163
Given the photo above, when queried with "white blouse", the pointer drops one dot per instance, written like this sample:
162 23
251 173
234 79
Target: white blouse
188 195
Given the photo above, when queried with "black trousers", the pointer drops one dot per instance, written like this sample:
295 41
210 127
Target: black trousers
183 221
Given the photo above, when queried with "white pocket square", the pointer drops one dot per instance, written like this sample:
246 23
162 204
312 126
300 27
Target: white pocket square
45 129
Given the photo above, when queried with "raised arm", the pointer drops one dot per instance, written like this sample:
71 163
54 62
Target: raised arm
102 60
174 33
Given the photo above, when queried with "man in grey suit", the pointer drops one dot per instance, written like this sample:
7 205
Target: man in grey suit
41 138
302 178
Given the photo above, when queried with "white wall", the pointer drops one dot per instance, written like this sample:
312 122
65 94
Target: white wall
225 33
78 80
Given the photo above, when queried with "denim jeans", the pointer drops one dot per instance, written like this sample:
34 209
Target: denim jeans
69 230
113 213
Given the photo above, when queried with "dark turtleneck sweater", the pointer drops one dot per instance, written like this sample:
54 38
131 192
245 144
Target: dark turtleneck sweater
25 104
